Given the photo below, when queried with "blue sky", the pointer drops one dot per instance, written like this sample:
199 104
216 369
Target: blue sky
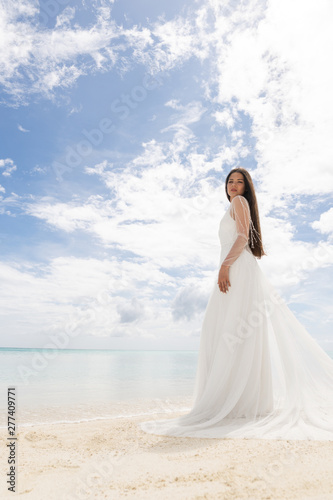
119 124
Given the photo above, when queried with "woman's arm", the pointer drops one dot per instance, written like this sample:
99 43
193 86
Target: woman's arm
240 211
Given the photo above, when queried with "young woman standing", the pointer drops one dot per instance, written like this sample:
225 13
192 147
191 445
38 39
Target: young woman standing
260 374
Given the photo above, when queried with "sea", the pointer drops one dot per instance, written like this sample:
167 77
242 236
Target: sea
73 385
67 385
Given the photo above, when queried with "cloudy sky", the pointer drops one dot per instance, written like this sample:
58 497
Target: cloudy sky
119 123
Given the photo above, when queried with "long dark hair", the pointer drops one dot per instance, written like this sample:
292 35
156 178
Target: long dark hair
250 194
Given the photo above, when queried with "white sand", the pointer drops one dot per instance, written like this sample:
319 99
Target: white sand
114 459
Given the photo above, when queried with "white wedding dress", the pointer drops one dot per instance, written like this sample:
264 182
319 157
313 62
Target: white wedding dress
259 374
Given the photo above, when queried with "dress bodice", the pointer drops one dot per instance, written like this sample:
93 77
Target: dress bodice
227 230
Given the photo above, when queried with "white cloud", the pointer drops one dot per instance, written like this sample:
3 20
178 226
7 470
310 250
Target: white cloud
2 189
49 59
8 166
189 302
97 297
186 114
154 223
76 109
274 67
325 223
289 261
224 118
39 170
67 216
21 129
131 311
177 41
65 18
40 61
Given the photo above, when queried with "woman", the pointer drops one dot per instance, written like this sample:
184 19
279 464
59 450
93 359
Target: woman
259 374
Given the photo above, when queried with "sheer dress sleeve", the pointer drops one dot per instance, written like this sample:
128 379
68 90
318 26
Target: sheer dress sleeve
240 211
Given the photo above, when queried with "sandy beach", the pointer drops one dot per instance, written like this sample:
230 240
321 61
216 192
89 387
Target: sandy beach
114 459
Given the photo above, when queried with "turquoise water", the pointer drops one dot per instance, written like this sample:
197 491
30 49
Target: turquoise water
74 385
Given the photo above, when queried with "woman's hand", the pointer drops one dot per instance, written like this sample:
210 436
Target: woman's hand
223 279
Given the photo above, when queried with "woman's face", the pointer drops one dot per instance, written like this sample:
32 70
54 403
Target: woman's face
235 185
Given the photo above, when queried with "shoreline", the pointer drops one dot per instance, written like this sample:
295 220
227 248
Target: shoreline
96 411
113 458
